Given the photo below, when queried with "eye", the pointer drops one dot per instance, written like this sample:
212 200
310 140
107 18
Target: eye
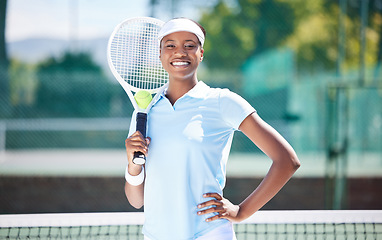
189 46
170 45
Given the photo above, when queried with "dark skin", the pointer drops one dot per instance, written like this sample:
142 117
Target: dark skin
180 55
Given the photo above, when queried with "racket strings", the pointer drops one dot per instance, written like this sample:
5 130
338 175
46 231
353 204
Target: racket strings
135 55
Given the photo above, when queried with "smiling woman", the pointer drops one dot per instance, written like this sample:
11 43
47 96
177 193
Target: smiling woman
181 51
190 131
180 55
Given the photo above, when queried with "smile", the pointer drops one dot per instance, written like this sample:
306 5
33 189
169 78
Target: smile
180 63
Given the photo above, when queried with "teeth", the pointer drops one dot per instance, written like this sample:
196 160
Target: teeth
179 63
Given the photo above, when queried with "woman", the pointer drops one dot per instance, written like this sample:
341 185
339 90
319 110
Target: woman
190 131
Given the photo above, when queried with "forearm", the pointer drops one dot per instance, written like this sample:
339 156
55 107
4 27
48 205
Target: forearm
134 185
284 158
278 175
135 194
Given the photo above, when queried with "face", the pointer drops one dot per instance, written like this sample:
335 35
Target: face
181 54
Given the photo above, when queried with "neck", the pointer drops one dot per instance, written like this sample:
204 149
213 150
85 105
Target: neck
177 88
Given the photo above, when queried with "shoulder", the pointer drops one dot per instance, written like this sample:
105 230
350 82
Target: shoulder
226 97
213 92
223 96
232 107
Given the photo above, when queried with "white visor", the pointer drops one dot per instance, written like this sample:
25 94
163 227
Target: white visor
181 25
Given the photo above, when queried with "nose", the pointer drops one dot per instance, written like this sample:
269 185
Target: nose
180 52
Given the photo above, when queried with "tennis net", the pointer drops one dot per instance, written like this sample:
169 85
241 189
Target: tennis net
262 225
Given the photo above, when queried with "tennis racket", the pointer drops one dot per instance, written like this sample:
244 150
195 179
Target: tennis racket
133 57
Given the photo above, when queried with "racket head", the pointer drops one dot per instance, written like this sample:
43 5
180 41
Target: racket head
133 55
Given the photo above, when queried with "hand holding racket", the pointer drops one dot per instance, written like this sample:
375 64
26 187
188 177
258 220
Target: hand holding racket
133 57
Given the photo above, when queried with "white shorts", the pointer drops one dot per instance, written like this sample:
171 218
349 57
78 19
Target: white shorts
224 232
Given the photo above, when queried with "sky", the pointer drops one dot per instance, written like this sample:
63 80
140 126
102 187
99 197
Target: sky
65 19
81 19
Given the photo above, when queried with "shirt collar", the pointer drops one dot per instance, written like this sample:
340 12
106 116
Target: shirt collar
198 91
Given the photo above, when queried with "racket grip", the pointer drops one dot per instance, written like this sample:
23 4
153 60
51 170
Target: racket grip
140 158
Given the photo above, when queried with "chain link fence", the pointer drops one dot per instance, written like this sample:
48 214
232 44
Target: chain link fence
279 55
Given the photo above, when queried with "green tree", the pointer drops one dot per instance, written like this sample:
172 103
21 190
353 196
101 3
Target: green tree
318 30
251 27
310 28
371 13
73 86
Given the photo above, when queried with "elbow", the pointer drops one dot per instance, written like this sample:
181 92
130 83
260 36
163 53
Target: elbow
134 196
295 163
136 205
290 166
290 163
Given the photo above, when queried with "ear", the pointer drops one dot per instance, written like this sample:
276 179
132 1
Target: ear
201 55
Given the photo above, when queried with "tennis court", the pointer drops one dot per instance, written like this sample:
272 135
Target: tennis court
79 173
312 70
266 224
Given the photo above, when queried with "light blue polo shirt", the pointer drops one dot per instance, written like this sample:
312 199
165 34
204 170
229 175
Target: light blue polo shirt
190 144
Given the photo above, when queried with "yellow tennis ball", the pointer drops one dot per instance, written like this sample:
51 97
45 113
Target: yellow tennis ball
143 98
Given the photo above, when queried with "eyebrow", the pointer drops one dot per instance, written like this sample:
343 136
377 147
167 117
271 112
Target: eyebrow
171 40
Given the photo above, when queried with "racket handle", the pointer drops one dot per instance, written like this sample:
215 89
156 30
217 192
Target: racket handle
140 158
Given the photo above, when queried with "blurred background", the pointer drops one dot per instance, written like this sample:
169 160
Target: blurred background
311 68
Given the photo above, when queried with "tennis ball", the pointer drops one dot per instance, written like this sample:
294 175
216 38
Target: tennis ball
143 98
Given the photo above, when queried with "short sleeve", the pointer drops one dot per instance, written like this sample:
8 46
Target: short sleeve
234 108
